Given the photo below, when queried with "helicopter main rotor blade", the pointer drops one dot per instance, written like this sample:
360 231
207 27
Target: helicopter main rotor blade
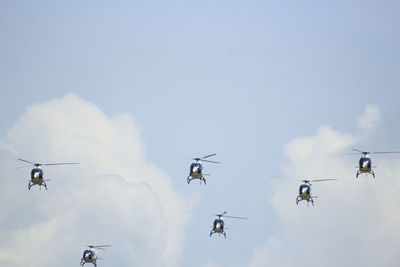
61 163
386 152
234 217
322 180
359 150
376 152
102 247
208 156
23 166
304 180
222 214
211 161
27 161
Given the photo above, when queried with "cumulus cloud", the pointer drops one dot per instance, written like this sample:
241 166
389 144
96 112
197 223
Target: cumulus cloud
371 117
354 221
114 196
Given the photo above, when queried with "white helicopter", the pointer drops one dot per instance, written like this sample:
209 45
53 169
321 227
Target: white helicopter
365 163
196 169
218 225
37 173
90 255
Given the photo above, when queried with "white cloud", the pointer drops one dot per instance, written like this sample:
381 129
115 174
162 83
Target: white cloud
371 117
354 221
114 196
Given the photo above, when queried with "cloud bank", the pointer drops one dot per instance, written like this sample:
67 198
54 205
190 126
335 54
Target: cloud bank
355 222
113 197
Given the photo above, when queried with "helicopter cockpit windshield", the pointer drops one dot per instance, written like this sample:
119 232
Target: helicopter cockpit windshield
36 173
304 189
218 222
88 254
365 163
195 165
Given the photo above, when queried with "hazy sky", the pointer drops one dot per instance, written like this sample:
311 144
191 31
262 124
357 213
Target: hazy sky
134 89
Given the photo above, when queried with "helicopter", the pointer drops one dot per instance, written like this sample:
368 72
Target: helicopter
218 225
196 169
305 191
90 255
37 173
365 163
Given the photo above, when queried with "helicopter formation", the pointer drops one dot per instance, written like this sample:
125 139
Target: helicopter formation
196 172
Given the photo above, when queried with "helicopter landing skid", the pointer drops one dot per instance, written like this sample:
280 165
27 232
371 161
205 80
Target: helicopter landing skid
310 199
83 262
370 172
201 179
213 232
40 185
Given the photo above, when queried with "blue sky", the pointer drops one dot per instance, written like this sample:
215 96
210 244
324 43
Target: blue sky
238 78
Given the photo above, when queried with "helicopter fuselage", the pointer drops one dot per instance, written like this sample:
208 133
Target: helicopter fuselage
36 175
89 256
196 172
37 178
305 193
218 227
365 166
